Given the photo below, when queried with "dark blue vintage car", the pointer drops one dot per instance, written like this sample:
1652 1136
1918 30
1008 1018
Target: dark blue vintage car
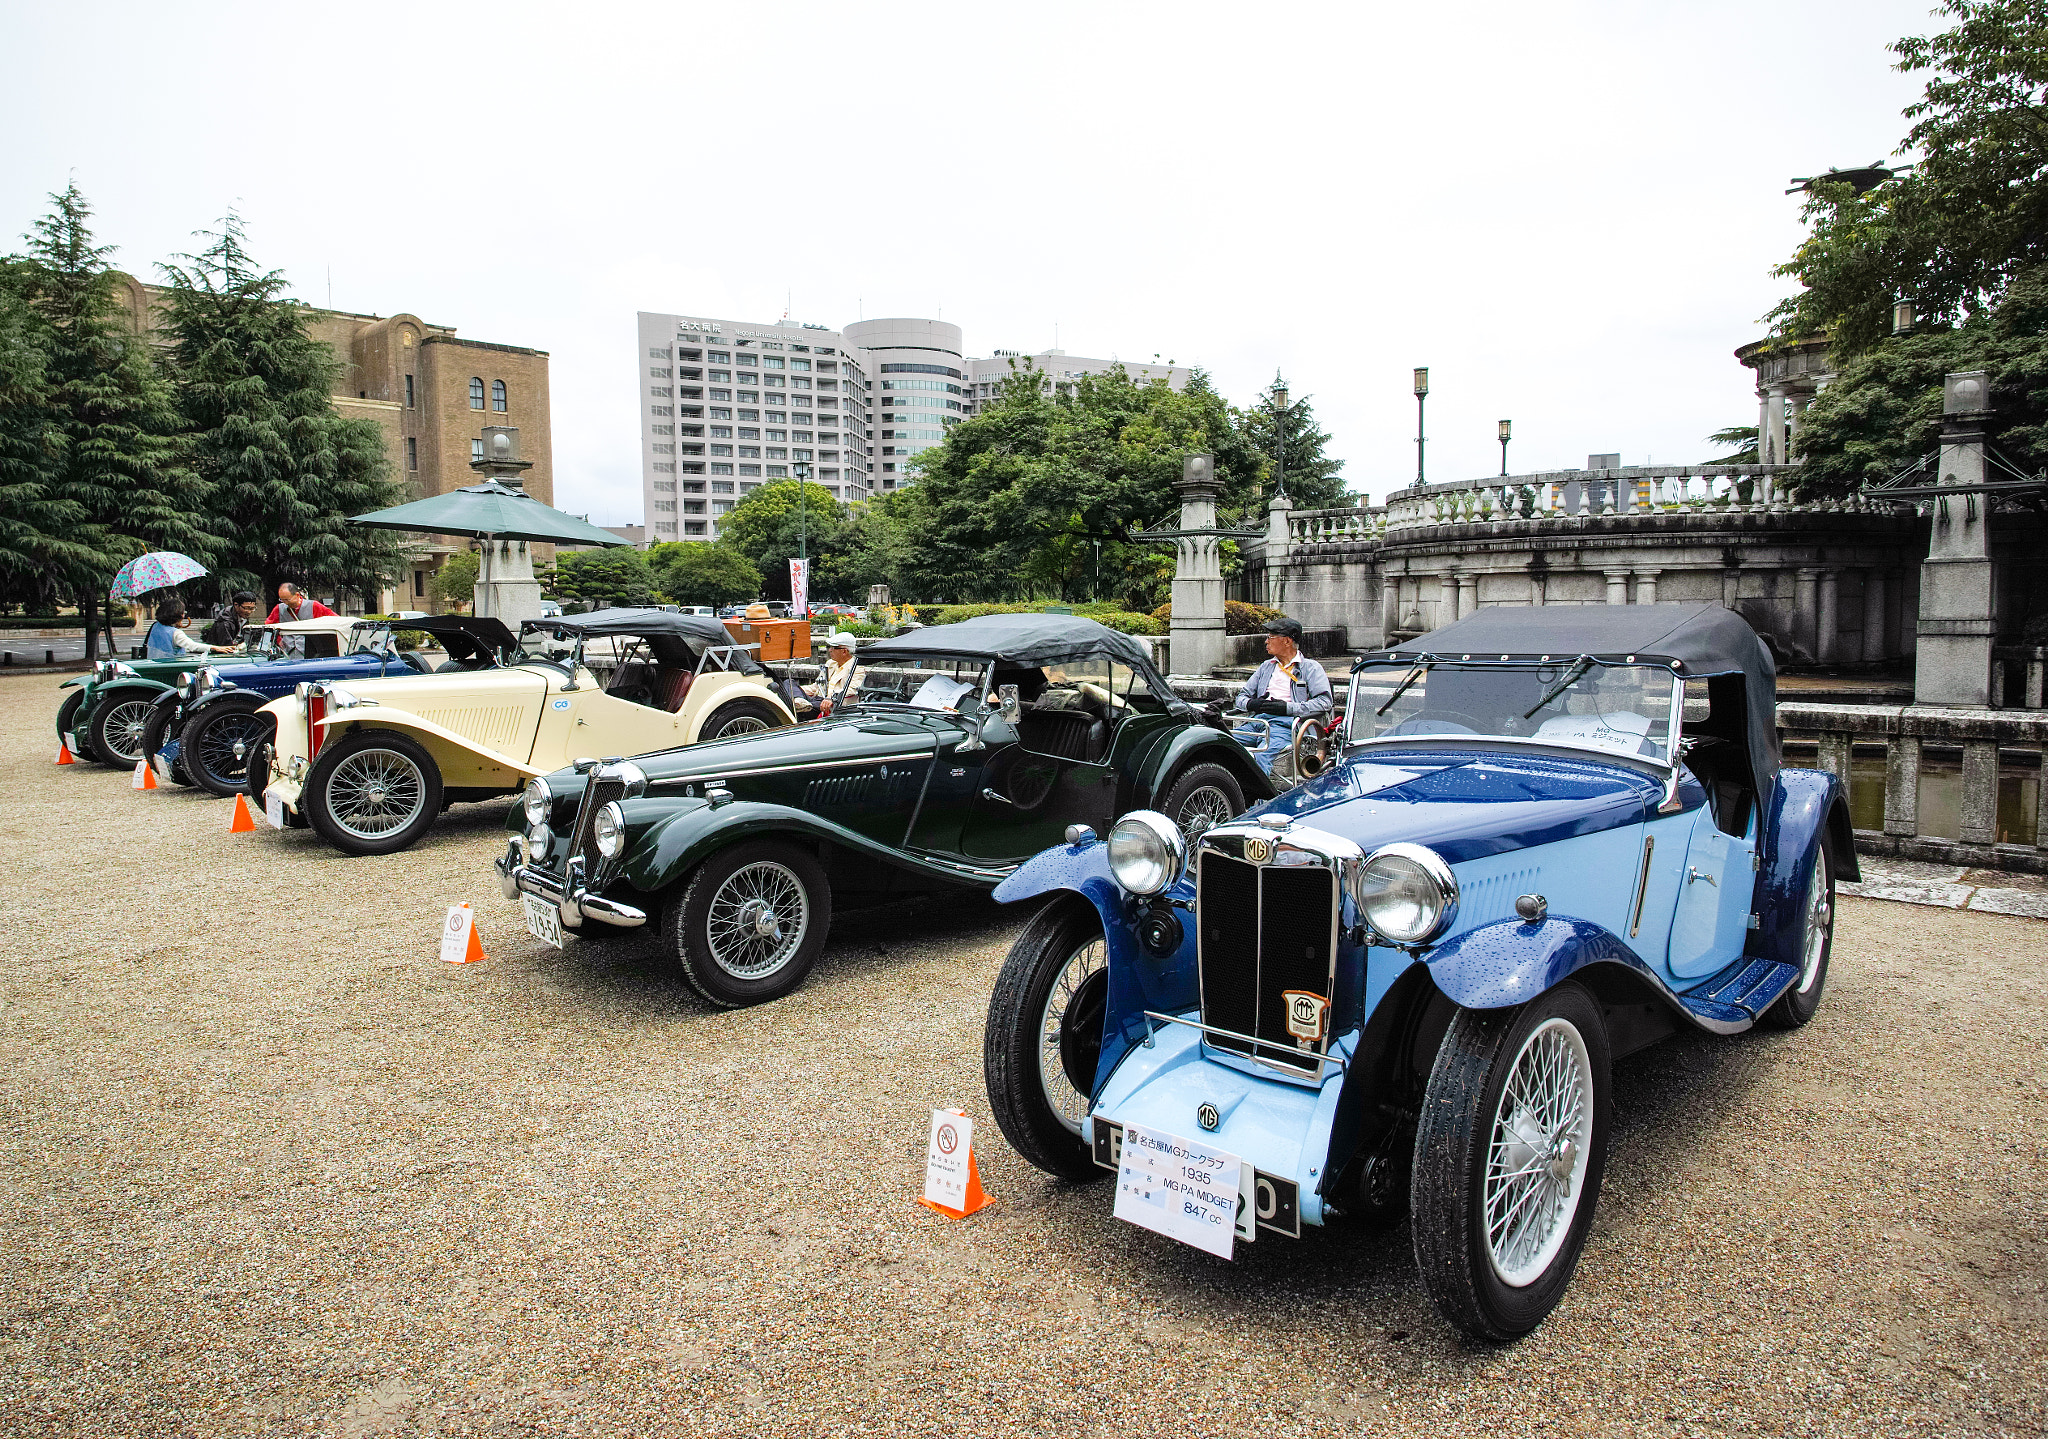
1549 838
204 730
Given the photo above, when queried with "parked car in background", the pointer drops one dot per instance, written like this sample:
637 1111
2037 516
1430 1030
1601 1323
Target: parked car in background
968 748
1551 837
370 764
204 731
105 719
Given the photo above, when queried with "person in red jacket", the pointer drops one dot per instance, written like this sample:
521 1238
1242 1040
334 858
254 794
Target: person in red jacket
294 604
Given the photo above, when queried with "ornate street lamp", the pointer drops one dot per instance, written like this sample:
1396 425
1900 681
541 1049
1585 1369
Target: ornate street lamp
1421 394
1903 318
1507 432
802 470
1279 399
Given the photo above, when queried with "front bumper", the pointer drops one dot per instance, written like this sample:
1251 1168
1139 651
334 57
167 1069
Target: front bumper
567 892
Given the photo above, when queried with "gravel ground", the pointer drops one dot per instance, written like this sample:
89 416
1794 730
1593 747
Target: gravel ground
272 1168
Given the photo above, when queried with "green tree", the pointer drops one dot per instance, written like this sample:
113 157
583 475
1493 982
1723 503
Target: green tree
255 391
617 576
34 517
768 527
118 465
1972 217
688 572
1038 494
1742 438
1313 478
455 582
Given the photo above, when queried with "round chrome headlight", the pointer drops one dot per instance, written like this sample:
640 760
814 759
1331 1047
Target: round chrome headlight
1146 851
537 801
1406 893
609 830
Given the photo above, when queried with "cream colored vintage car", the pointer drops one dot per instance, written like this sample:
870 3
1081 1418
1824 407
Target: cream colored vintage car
370 764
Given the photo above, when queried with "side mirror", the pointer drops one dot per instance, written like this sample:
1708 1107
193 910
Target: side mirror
1008 705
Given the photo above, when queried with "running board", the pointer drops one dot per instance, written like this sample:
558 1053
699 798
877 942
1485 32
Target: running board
1742 992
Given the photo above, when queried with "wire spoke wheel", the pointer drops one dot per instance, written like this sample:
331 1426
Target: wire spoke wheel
1204 807
375 792
1536 1160
1070 1032
744 724
1820 922
121 729
758 919
216 750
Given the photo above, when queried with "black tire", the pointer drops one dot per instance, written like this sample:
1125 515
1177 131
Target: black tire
117 722
156 734
67 715
1797 1004
205 745
738 717
1462 1115
257 781
1201 788
414 799
735 978
1055 983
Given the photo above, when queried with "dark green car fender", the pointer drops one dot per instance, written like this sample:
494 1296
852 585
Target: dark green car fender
1199 744
136 687
671 846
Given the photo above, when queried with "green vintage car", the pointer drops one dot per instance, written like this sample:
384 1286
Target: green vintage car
105 718
958 752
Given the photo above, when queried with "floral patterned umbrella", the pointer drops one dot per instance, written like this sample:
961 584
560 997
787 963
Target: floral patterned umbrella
157 570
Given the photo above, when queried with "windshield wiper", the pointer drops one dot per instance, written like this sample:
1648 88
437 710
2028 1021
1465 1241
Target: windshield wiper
1565 681
1413 675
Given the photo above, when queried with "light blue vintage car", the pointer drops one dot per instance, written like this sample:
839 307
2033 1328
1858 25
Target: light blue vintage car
1547 838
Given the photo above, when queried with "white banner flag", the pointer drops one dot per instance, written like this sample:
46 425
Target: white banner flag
799 589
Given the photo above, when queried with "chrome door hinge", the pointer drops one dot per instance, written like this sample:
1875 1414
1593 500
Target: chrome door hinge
1756 921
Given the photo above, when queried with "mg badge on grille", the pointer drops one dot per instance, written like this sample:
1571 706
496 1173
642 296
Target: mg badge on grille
1306 1015
1207 1117
1257 850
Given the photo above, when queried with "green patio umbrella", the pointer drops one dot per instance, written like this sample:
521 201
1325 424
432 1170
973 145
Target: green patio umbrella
492 510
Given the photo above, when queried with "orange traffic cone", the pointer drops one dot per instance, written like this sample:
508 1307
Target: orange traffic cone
952 1128
460 943
244 821
976 1197
64 753
145 777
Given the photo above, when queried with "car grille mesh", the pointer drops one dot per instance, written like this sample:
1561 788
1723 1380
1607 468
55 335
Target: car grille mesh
1263 930
596 795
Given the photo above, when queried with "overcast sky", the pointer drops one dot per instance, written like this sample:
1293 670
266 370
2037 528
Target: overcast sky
1568 211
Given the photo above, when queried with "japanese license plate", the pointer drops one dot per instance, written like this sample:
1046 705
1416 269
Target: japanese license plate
273 808
543 920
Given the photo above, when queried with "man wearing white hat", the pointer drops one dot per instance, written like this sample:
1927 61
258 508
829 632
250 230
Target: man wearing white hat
841 678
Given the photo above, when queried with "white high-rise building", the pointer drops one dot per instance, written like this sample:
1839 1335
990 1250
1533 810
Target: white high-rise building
728 405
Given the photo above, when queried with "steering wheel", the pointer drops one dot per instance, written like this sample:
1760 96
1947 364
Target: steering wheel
1433 720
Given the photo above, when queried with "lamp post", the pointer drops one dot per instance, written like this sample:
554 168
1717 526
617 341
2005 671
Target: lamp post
1279 399
802 470
1507 431
1903 318
1421 394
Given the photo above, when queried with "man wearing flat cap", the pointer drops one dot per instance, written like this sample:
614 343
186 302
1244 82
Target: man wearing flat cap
1289 686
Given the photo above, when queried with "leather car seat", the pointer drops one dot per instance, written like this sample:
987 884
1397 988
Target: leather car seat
678 681
1067 733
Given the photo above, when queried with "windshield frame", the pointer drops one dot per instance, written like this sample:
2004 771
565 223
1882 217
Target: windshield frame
1408 663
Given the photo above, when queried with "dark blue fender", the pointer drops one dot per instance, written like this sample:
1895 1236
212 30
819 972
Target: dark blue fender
1805 804
1511 962
1138 979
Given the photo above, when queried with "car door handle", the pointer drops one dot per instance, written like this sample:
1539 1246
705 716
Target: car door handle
999 799
1692 874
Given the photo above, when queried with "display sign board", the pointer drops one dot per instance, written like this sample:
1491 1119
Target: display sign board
1183 1189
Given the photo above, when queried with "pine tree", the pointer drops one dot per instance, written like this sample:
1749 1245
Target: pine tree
1313 481
34 519
254 389
118 460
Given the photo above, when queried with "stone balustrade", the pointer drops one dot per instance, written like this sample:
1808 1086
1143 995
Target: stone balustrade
2028 667
1904 731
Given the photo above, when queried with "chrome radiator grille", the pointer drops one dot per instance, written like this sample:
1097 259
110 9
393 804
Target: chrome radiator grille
1264 930
598 793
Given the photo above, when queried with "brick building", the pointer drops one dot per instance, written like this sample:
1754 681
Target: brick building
431 393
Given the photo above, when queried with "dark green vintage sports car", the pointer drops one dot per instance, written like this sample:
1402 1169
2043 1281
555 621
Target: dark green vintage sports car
961 751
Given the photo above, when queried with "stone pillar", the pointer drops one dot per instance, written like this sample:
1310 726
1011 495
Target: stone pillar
1828 617
1390 607
1468 594
1953 637
1197 630
1873 616
1805 601
1980 792
1279 548
1902 785
1646 586
1617 587
1447 604
505 587
1795 416
1771 443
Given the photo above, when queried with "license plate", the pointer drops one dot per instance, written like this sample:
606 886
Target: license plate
1276 1201
543 920
273 808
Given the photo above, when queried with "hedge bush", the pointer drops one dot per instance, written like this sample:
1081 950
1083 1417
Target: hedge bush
1239 617
1108 615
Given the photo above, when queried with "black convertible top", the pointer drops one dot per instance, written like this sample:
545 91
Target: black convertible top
674 638
1014 639
1701 639
485 630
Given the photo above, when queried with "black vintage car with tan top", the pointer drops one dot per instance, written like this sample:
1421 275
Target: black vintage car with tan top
968 748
